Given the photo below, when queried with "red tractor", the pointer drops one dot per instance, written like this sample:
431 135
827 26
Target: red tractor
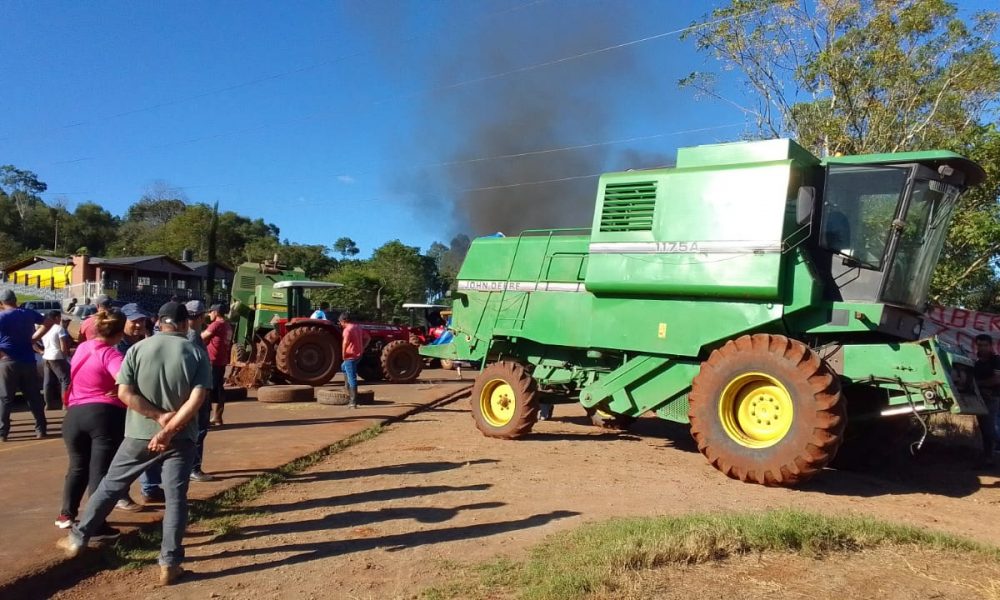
275 339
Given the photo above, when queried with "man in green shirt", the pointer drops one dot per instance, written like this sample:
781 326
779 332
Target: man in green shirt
163 381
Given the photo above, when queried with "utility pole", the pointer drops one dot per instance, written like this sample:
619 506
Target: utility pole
55 242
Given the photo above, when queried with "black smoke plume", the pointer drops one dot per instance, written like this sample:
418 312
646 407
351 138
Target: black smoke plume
505 121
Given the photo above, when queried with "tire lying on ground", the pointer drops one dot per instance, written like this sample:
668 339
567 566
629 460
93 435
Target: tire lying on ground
339 397
274 394
234 394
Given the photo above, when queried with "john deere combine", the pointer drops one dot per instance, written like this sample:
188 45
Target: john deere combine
755 291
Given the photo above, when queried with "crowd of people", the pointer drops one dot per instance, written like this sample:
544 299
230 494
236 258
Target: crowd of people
140 392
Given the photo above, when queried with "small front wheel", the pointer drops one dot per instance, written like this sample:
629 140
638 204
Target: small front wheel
504 401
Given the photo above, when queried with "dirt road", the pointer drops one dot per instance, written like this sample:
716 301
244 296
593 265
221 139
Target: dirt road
386 518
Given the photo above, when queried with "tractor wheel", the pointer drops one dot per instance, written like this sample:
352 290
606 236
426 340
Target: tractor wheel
279 394
766 409
504 401
607 420
265 348
308 355
447 364
370 370
401 363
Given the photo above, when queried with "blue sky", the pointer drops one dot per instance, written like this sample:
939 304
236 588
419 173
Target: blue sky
316 115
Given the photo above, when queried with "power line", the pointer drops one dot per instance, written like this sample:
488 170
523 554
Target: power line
463 83
539 152
578 147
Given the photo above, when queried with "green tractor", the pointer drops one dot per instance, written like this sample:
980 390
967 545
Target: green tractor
754 291
273 336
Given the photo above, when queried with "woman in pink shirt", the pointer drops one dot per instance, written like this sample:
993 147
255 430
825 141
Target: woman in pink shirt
94 424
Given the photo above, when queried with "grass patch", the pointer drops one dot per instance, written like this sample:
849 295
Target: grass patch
595 557
223 514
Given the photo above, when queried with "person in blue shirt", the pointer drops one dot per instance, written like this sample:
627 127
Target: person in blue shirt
320 313
18 369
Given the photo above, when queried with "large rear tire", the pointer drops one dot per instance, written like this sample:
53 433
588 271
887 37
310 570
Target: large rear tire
504 401
766 409
401 362
308 355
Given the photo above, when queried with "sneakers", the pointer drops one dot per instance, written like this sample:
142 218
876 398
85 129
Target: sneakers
170 575
154 497
64 521
41 435
128 505
199 475
106 532
70 545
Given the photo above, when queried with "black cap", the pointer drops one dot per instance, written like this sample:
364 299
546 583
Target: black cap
173 313
217 308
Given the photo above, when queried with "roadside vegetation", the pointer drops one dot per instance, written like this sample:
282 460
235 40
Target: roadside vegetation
599 558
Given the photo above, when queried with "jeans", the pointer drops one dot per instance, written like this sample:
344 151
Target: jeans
204 416
134 457
350 367
151 480
55 382
92 434
20 377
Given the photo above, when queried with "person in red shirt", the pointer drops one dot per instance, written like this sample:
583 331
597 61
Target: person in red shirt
218 338
103 303
355 339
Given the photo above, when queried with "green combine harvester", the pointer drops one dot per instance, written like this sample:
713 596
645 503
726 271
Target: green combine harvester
754 291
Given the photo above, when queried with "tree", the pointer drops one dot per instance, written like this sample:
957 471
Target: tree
346 247
22 186
90 225
313 259
865 76
449 258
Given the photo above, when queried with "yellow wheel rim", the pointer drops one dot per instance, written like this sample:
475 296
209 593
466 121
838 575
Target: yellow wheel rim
755 410
497 402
